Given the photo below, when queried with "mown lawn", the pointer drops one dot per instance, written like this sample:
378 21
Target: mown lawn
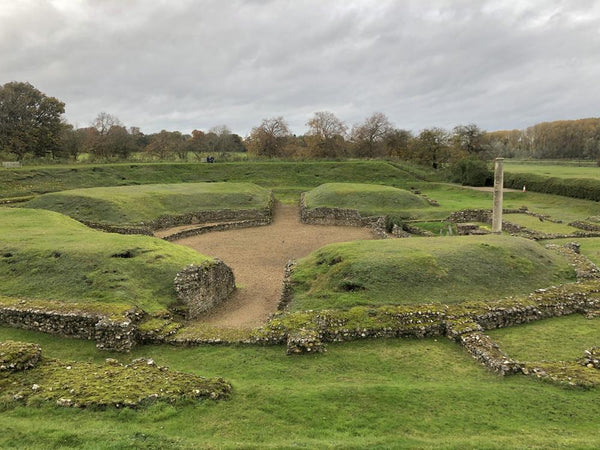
377 394
554 170
287 179
145 203
421 270
555 339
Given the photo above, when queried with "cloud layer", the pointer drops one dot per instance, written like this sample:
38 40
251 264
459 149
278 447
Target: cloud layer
180 65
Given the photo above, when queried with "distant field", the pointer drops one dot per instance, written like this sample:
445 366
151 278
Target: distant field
422 270
46 255
287 179
368 199
142 204
554 170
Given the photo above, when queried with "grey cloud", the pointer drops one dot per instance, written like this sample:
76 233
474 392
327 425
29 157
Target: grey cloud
186 64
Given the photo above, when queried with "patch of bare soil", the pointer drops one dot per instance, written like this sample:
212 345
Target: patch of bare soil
258 256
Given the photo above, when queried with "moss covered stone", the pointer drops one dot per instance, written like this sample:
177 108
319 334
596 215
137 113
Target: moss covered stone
82 384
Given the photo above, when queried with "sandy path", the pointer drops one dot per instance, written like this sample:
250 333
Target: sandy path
258 256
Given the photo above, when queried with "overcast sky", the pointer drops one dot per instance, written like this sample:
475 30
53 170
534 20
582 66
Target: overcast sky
181 65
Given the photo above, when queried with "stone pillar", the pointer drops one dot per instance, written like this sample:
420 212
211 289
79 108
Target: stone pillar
498 186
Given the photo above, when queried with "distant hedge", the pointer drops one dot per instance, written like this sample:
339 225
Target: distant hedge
586 188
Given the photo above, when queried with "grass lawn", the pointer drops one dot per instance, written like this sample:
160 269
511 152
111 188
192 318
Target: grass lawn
421 270
368 199
554 170
46 255
142 204
555 339
375 394
533 223
287 179
454 198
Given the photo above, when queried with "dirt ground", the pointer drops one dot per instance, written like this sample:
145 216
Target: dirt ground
258 256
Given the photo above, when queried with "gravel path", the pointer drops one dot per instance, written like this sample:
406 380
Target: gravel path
258 256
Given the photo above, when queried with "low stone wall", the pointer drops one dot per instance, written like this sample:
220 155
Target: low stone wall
109 334
586 226
222 215
215 227
329 216
121 229
246 217
487 352
202 287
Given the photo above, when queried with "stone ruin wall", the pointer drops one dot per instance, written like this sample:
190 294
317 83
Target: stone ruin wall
201 288
109 334
226 218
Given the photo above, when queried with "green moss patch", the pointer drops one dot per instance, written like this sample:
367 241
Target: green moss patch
45 255
135 205
564 373
423 270
15 356
83 384
368 199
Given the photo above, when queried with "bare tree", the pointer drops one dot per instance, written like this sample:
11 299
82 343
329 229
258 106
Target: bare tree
269 138
326 135
104 121
369 137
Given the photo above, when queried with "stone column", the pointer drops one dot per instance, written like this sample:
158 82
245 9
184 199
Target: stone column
498 186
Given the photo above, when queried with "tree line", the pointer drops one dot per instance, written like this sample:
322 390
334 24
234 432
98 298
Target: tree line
31 125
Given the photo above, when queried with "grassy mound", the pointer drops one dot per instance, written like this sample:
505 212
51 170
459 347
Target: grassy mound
138 204
422 270
46 255
368 199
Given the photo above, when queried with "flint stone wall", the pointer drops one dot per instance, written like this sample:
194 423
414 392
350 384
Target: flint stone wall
215 227
109 334
202 287
261 216
487 352
329 216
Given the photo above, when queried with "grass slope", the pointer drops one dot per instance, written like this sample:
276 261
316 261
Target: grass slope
420 270
287 179
46 255
368 199
371 394
137 204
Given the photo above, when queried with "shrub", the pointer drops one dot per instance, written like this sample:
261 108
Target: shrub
471 171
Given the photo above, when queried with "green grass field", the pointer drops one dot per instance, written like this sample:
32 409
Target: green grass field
555 339
368 199
370 394
554 170
46 255
422 270
287 179
131 205
533 223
